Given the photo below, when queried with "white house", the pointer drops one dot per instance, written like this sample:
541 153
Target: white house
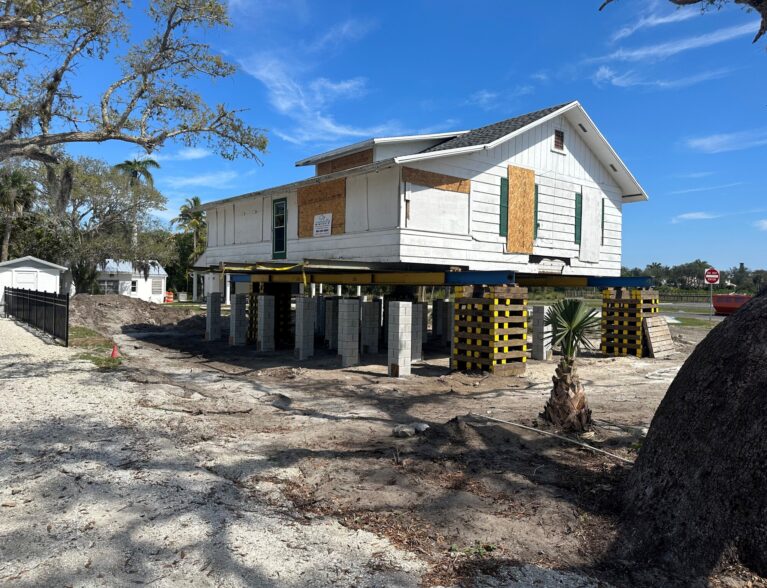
539 193
120 277
30 273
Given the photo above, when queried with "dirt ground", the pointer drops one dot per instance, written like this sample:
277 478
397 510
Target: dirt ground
212 464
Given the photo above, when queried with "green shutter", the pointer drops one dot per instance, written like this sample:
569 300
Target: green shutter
535 217
578 217
503 228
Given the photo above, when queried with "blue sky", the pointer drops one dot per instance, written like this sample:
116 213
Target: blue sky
680 95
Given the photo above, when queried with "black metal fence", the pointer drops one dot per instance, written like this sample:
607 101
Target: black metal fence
42 310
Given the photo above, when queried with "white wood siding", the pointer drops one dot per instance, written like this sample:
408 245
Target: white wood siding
559 178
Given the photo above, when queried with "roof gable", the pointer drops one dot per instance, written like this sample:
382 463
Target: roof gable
113 266
32 259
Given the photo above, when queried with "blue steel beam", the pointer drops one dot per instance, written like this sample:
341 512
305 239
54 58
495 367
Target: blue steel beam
618 282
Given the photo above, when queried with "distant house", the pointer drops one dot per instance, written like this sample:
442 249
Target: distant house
30 273
120 277
539 193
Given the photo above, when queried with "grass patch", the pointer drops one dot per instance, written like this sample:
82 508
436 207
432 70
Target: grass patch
85 337
685 321
101 360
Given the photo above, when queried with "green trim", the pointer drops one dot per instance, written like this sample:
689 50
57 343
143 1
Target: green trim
578 217
503 228
283 253
535 218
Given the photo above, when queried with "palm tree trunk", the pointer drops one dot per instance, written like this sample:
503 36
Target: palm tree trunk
567 408
7 238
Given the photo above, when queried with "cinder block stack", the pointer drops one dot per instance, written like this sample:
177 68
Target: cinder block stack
371 326
349 331
331 322
238 320
305 317
400 324
417 331
252 318
622 313
213 317
490 329
265 326
541 347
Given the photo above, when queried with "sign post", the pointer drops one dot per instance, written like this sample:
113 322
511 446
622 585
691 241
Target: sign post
712 277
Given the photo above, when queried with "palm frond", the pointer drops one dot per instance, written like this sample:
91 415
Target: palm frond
572 324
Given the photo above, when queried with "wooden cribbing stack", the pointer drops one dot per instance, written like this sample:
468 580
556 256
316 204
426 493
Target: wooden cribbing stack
622 314
490 329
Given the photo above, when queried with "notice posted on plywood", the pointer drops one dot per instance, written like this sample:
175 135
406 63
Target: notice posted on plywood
322 201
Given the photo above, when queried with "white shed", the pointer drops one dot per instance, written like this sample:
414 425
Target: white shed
120 277
30 273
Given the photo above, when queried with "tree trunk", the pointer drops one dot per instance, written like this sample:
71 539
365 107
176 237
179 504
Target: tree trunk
697 495
567 408
6 238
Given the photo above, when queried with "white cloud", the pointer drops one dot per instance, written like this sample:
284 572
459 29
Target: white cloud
695 175
222 179
653 20
670 48
688 216
723 142
348 31
607 75
307 104
490 100
541 76
707 188
762 224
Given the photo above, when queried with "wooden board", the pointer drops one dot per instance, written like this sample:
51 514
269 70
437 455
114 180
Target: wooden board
658 336
519 238
433 180
345 162
324 198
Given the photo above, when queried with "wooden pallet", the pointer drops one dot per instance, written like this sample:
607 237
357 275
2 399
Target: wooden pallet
658 336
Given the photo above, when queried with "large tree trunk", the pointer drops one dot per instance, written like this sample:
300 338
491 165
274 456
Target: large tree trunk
6 238
567 408
697 495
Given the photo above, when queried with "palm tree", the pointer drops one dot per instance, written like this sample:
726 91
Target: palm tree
16 195
137 170
192 220
572 323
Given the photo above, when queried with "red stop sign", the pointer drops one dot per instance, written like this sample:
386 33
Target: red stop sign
711 276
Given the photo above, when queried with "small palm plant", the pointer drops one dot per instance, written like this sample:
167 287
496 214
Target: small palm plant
572 323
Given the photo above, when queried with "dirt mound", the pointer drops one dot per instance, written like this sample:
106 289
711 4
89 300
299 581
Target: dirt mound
697 496
110 314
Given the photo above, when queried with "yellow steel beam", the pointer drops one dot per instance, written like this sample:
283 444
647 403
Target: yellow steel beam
409 278
341 278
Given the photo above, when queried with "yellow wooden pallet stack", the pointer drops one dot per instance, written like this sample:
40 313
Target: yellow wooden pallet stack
622 314
490 329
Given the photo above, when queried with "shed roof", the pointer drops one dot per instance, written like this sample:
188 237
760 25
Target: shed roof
32 259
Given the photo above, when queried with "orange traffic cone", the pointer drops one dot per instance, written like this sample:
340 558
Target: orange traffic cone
115 353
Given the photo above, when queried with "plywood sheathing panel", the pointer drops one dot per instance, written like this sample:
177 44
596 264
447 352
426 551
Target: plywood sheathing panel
519 238
324 198
433 180
345 162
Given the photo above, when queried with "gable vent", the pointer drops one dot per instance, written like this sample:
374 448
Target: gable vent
559 140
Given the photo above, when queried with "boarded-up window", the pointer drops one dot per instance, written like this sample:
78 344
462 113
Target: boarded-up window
503 229
521 216
578 217
324 198
345 162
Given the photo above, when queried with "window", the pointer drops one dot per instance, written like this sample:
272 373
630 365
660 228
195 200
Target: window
156 286
503 223
109 286
578 217
559 140
535 216
279 228
133 285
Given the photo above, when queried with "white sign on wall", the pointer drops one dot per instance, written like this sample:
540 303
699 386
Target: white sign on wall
323 224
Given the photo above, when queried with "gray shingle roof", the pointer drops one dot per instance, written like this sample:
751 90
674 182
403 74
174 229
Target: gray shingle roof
489 133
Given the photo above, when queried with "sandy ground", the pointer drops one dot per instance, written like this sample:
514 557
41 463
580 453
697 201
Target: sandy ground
200 464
